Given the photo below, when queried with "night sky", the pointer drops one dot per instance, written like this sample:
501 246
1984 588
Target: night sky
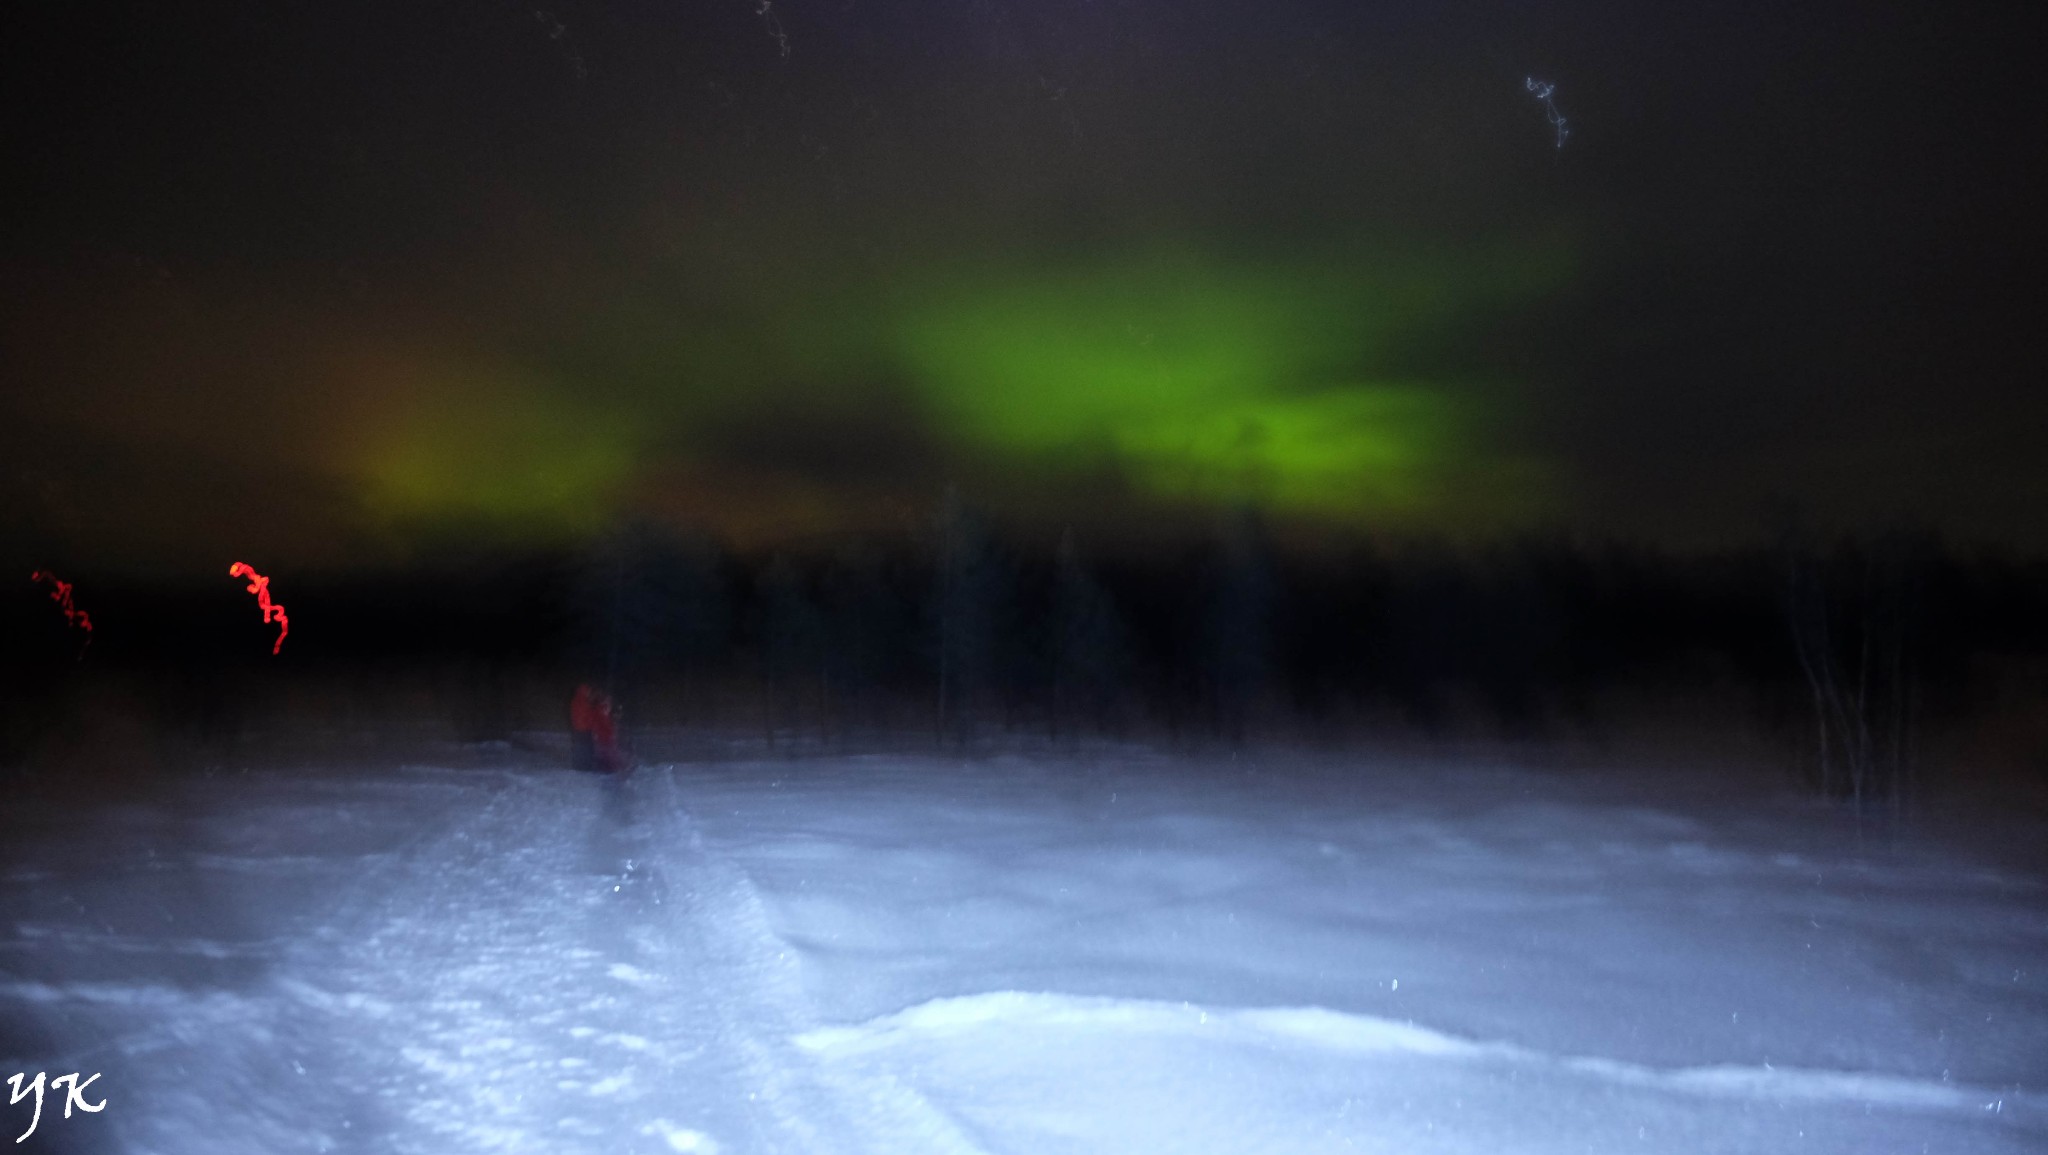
318 285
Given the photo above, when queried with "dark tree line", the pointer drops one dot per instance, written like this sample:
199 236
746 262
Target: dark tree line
961 631
1851 650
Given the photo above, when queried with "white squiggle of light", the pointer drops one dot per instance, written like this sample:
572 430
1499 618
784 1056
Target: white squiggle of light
1545 91
558 32
765 9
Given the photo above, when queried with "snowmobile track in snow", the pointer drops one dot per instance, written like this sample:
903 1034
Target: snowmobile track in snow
568 969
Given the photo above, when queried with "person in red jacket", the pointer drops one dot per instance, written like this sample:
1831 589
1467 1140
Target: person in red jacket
594 732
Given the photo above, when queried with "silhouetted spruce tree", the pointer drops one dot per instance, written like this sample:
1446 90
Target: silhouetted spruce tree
1430 635
1091 656
1851 614
792 632
868 623
1238 625
40 660
1520 643
687 609
646 604
970 594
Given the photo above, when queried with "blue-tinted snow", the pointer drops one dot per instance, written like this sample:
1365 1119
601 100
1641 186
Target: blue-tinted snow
1117 953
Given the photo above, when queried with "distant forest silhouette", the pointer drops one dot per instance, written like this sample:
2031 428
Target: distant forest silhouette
1850 655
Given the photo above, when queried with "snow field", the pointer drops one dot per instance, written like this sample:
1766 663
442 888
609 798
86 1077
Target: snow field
1118 954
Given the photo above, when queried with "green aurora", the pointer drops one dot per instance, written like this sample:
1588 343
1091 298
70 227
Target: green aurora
281 290
517 459
1301 388
1288 388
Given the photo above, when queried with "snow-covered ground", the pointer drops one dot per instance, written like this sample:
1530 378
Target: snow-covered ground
1117 953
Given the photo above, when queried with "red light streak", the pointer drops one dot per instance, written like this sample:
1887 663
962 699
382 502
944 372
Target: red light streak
272 612
60 592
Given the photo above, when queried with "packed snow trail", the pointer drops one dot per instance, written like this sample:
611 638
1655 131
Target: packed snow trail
556 966
886 955
562 970
571 972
